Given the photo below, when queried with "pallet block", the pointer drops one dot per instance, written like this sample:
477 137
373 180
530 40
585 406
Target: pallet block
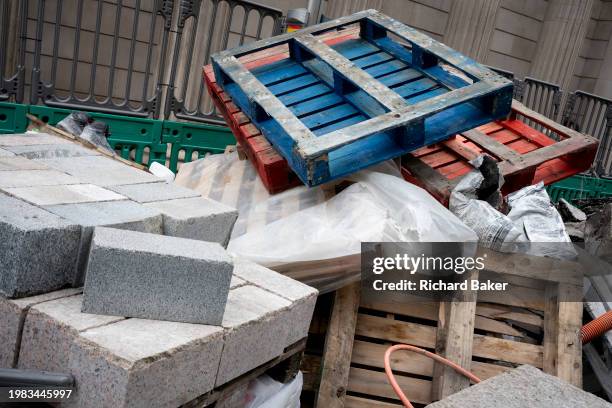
333 110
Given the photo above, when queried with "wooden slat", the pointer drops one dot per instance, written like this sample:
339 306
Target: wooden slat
358 402
562 322
429 310
339 347
454 340
371 354
370 382
425 336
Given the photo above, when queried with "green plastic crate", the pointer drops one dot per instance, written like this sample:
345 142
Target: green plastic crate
191 138
13 117
579 187
136 138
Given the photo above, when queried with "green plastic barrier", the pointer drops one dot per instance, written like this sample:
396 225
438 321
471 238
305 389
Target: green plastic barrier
13 117
138 139
194 140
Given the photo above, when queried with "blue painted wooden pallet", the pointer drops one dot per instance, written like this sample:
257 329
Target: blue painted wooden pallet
333 110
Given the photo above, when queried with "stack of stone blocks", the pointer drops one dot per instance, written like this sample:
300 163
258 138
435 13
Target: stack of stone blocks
165 315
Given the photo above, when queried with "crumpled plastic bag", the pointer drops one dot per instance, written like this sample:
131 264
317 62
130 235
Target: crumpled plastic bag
533 224
376 208
96 134
74 123
533 213
264 392
494 229
301 224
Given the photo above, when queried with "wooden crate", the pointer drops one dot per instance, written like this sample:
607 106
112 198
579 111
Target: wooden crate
487 335
333 110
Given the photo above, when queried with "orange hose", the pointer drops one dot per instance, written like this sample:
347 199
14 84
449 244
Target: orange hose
596 328
589 331
426 353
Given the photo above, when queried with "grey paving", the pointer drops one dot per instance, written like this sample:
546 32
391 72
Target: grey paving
28 178
6 153
64 194
12 316
197 218
38 249
52 151
30 139
149 192
50 330
522 387
20 163
156 277
117 214
255 330
100 170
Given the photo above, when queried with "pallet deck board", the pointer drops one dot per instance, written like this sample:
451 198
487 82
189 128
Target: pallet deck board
397 97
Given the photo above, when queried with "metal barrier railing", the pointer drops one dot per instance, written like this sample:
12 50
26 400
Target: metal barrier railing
217 24
542 97
592 114
94 77
12 49
121 56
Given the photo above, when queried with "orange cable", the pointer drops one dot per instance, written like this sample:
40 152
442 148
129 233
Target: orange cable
426 353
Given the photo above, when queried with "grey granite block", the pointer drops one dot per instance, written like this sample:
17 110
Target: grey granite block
119 362
20 163
38 249
197 218
100 170
255 331
6 153
156 277
12 316
27 178
149 192
522 387
303 297
52 151
144 364
50 329
30 139
117 214
64 194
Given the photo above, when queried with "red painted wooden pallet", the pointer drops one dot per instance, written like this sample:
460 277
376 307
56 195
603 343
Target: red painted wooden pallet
272 168
526 155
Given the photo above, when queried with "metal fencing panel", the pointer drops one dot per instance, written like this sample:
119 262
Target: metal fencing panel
592 114
12 49
542 97
100 55
203 28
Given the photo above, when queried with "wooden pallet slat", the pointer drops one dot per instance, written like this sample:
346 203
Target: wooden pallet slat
389 115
